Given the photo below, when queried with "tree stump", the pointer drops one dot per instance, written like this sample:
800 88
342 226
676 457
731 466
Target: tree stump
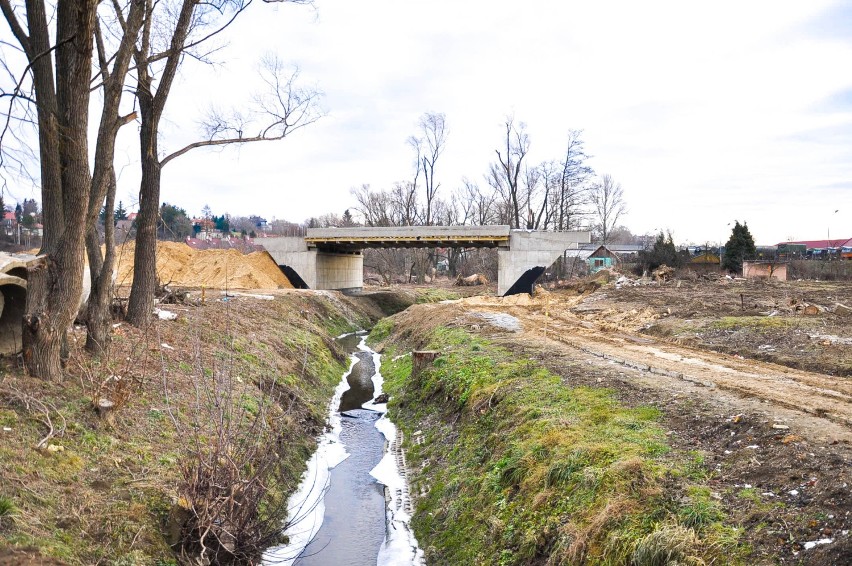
106 410
422 359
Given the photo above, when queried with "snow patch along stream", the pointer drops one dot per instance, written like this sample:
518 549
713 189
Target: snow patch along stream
306 507
400 545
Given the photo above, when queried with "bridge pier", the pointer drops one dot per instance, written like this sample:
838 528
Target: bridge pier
313 269
332 258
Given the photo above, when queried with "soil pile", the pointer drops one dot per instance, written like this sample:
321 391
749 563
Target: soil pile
182 266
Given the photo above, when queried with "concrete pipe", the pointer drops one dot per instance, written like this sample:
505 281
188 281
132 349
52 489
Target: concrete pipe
13 300
13 294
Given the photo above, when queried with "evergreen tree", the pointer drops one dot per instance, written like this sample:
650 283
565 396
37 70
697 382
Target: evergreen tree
740 246
120 212
222 223
664 252
174 224
31 209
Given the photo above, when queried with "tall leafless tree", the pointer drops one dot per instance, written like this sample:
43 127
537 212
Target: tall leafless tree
572 187
433 127
59 66
112 78
190 24
607 198
505 175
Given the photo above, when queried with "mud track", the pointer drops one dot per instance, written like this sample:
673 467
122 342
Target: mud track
825 399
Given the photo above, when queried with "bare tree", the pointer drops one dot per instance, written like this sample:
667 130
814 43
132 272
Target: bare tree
434 129
375 207
427 148
478 207
112 78
403 200
285 109
505 175
540 183
60 75
607 198
571 192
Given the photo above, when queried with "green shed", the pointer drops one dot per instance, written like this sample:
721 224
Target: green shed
602 258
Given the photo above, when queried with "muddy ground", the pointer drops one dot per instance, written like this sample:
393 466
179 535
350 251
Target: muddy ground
757 388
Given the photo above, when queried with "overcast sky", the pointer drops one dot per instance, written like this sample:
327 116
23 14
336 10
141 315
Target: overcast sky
732 110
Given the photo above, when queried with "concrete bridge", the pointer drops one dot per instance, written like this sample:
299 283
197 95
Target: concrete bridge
332 258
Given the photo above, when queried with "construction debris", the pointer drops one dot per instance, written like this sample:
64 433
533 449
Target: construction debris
663 273
470 281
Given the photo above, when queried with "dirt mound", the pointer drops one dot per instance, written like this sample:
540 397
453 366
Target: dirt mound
182 266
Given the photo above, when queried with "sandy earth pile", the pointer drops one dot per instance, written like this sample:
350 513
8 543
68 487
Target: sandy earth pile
182 266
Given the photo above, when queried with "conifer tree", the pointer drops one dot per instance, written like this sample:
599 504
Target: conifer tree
740 246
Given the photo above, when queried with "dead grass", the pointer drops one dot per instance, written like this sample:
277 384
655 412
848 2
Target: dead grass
99 492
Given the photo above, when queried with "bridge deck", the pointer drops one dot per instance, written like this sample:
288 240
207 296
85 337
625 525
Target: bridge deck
353 239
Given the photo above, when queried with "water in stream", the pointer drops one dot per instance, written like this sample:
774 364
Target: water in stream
340 510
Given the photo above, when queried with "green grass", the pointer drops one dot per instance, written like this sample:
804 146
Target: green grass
380 331
517 467
435 295
754 322
7 510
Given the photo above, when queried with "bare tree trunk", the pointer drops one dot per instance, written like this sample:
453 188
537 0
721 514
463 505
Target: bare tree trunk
141 302
454 256
40 338
98 314
48 125
56 281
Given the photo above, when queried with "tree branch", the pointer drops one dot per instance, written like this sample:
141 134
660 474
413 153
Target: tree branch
17 30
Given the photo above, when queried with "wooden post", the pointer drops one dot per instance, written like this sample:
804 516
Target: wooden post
422 359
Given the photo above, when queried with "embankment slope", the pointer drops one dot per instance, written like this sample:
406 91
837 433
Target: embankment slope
77 488
527 446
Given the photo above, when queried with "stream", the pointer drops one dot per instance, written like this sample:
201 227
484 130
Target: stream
351 505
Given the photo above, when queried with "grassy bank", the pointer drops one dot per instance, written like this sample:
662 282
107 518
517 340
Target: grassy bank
230 394
508 465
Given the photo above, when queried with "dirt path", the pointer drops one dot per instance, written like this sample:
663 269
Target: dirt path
826 398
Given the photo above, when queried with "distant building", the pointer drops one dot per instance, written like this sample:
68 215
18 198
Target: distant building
602 258
10 223
820 249
706 262
765 270
260 224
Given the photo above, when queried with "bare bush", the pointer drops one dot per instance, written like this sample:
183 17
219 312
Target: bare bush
42 410
835 270
112 380
232 502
